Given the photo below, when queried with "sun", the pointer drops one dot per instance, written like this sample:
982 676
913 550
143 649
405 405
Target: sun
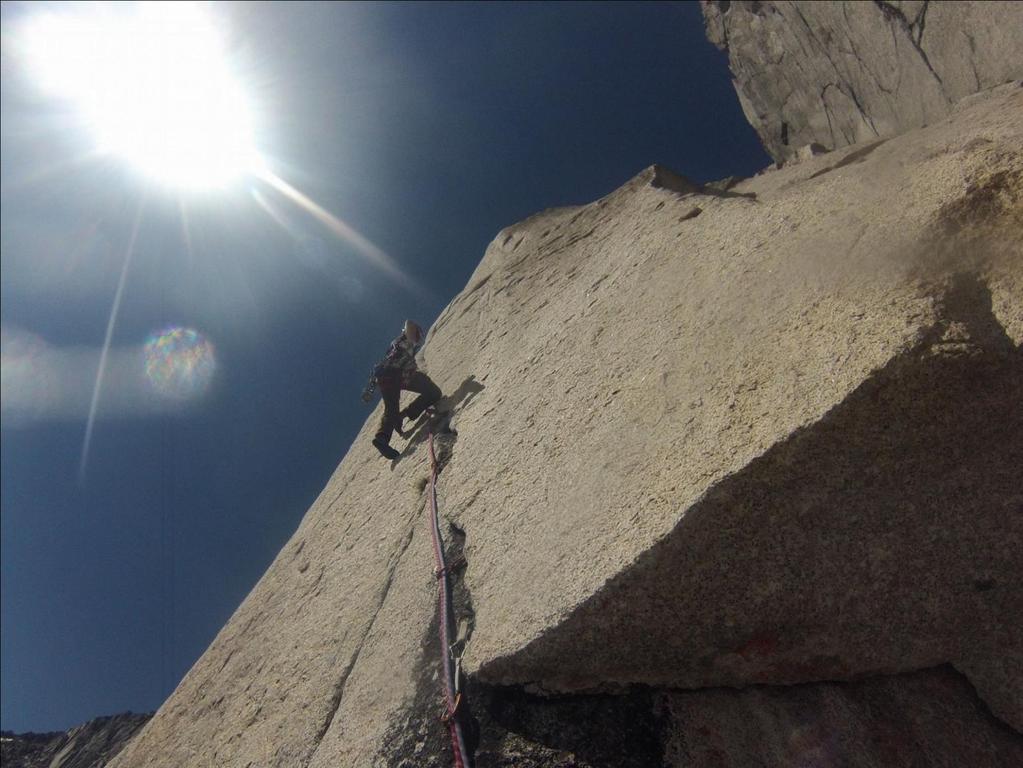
153 84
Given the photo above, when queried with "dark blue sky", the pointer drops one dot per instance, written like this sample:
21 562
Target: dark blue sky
428 128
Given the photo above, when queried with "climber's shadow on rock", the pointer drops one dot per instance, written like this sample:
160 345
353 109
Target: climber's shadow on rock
446 408
724 190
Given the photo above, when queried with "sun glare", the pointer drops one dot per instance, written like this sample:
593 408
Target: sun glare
152 81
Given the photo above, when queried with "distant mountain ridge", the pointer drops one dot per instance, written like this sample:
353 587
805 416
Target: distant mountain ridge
90 745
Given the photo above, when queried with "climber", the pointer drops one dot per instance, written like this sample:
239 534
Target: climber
397 372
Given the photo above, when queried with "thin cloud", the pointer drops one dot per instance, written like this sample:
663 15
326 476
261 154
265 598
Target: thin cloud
42 383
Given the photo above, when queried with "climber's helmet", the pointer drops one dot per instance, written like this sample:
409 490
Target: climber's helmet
413 332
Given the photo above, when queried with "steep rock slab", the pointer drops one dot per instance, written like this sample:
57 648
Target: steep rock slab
840 73
272 684
609 366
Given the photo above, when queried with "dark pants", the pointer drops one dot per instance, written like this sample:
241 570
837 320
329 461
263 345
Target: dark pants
391 386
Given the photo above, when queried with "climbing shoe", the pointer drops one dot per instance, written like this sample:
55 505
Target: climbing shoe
385 450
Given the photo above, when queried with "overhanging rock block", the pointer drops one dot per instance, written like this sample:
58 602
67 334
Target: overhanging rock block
772 444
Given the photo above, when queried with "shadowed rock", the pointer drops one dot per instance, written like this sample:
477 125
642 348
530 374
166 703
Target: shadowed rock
874 723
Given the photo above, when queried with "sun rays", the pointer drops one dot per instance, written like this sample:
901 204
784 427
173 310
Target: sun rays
97 388
373 255
152 85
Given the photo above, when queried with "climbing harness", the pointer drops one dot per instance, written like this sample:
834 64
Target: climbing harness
452 664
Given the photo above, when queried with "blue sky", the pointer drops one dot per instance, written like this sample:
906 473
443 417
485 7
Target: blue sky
427 128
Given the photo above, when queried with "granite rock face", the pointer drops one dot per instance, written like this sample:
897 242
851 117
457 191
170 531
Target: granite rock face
840 73
731 464
90 745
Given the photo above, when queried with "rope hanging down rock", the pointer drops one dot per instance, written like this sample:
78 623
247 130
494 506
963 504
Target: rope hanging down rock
452 693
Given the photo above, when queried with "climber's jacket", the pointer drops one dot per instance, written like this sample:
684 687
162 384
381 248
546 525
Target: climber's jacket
401 356
400 361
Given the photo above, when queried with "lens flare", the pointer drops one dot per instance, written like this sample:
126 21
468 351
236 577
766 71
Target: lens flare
179 362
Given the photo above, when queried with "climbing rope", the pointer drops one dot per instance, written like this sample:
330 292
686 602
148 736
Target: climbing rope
452 692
